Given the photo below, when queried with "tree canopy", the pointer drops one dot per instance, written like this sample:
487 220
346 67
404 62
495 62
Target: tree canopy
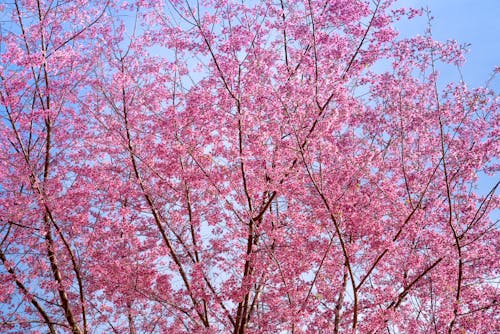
225 166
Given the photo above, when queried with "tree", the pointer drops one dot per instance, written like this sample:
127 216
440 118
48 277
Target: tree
222 166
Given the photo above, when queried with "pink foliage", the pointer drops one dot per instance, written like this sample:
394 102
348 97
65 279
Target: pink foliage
231 167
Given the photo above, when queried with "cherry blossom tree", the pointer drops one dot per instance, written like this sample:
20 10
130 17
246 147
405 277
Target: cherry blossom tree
241 167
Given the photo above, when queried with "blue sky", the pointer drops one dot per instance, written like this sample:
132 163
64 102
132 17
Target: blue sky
467 21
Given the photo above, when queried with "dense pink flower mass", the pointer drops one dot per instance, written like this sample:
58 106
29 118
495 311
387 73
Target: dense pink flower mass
221 166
